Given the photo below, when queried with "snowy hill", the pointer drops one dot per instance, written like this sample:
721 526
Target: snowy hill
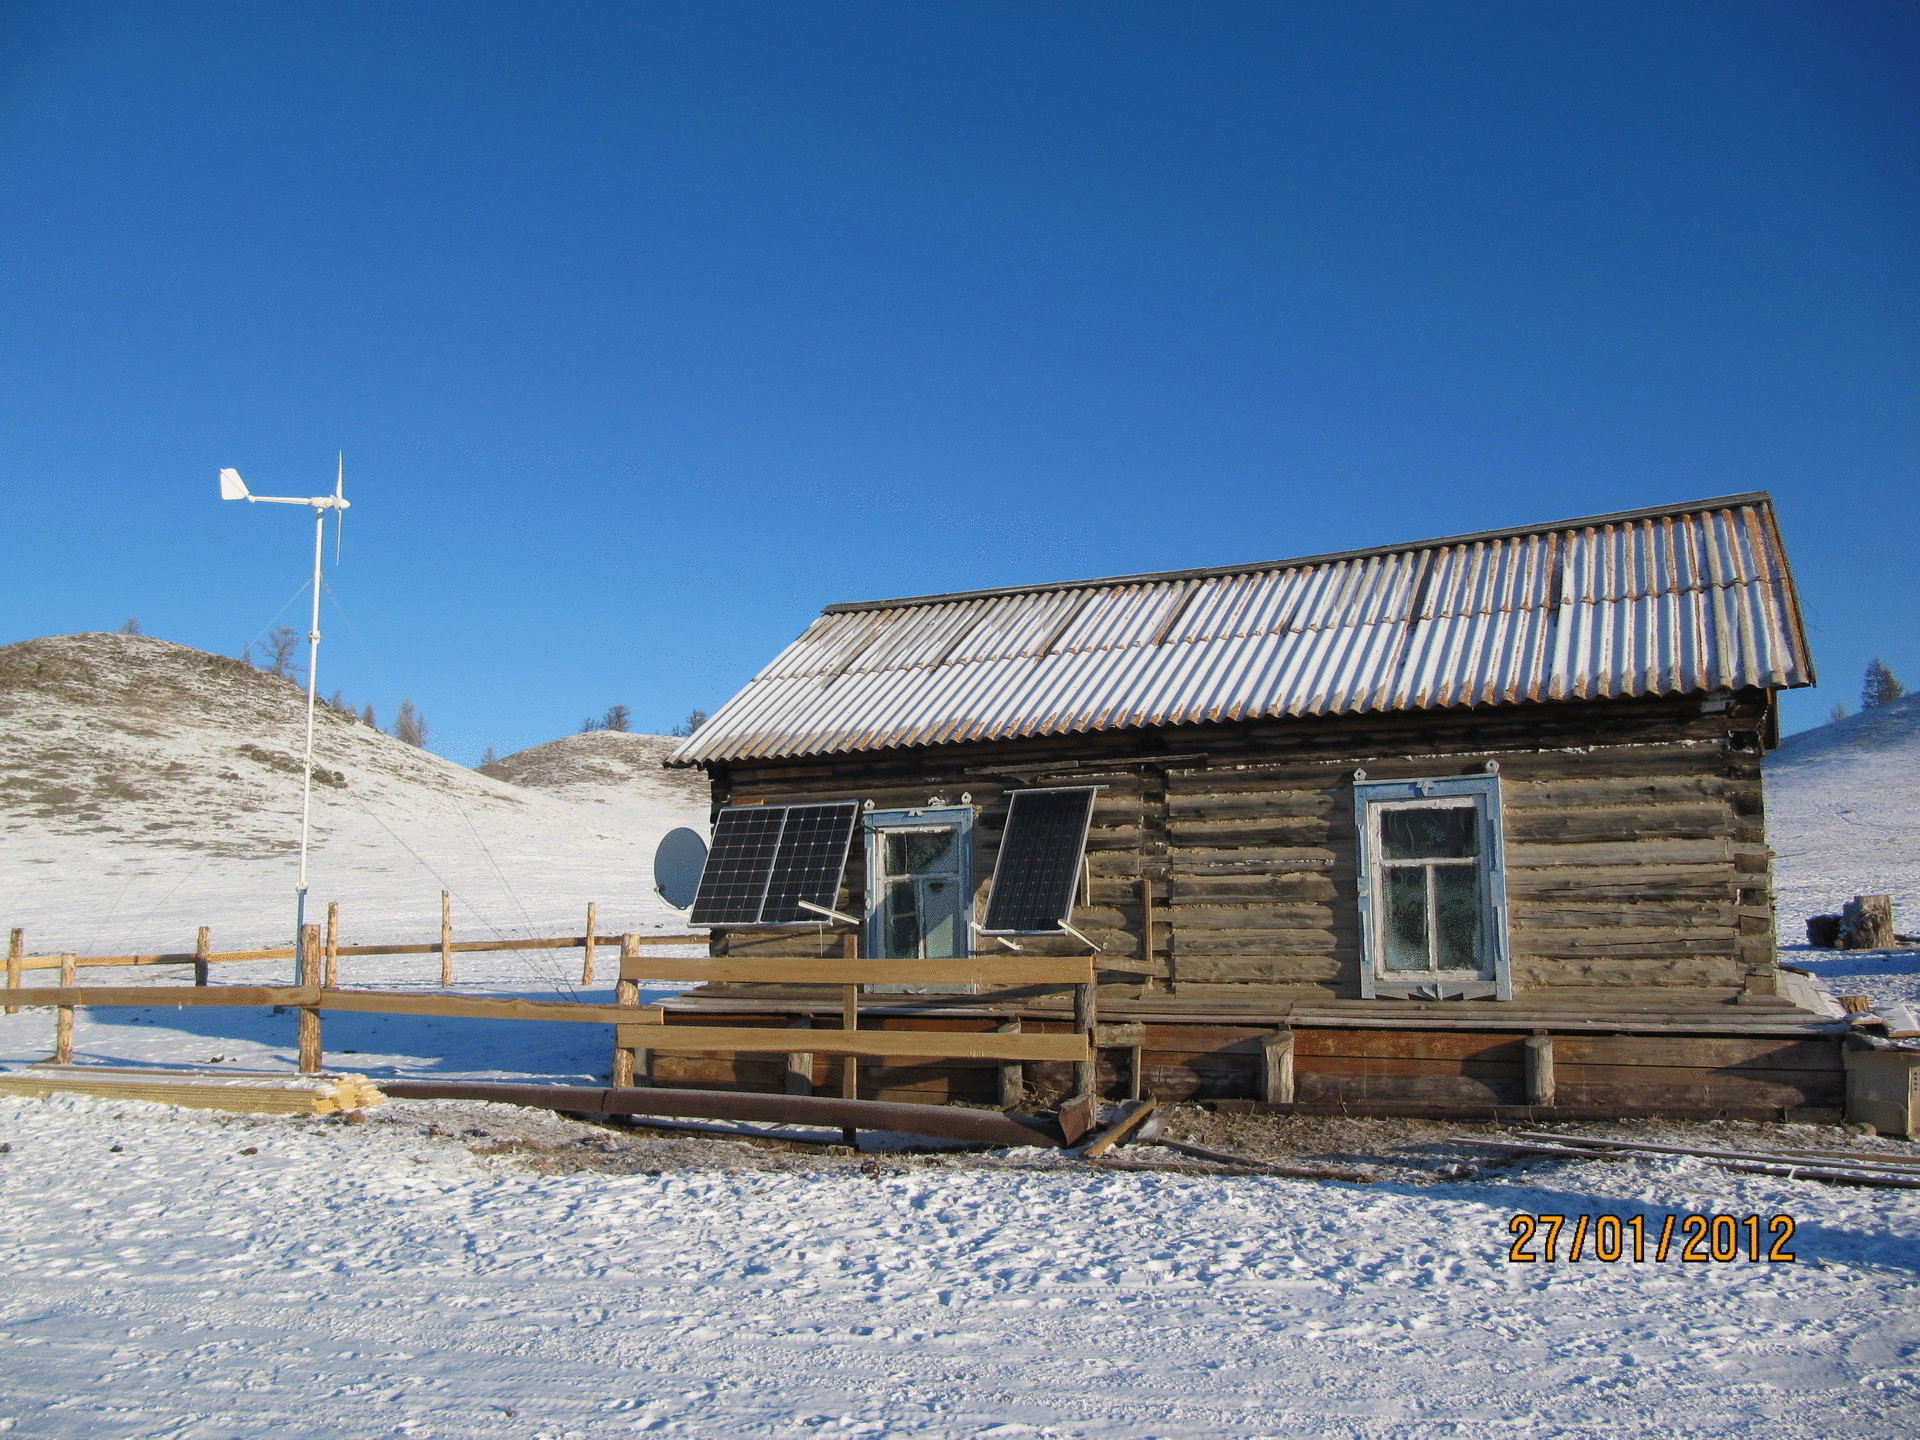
606 768
1843 815
147 788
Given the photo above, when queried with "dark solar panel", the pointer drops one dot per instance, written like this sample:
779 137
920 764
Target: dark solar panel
766 858
811 859
1038 871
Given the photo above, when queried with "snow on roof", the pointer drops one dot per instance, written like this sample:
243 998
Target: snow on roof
1675 600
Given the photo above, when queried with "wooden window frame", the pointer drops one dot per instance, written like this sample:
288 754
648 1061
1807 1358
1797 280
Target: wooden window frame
1496 960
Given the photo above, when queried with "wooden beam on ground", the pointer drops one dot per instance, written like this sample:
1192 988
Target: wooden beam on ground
917 1044
1132 1115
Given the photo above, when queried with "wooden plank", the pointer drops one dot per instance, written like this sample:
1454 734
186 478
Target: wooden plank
1013 970
1717 1055
1132 1116
473 1007
446 941
1702 820
16 943
1632 852
161 996
931 1044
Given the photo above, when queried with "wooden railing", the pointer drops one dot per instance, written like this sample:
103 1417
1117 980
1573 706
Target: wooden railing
639 1029
332 951
635 1043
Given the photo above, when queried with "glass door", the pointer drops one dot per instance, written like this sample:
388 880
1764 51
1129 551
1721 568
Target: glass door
919 884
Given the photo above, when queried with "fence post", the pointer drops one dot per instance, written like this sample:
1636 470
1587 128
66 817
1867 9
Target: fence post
1276 1069
625 992
586 966
1086 1076
446 941
850 1020
332 977
310 1014
1540 1087
15 948
63 1018
202 947
800 1062
1013 1075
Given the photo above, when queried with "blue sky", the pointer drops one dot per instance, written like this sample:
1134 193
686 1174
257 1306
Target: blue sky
649 329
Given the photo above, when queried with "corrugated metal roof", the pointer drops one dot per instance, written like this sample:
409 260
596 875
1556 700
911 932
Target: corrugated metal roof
1690 598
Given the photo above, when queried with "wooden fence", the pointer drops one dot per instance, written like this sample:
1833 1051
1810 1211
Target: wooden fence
639 1030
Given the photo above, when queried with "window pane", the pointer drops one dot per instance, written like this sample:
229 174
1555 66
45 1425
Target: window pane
903 921
1457 916
915 852
1448 833
1405 927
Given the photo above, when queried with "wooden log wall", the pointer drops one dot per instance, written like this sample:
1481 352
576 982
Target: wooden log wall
1637 860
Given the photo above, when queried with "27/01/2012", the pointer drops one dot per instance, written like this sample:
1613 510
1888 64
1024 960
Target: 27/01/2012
1609 1238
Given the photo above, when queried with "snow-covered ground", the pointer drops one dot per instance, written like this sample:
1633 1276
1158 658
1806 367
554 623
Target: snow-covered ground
179 1274
201 1277
1843 816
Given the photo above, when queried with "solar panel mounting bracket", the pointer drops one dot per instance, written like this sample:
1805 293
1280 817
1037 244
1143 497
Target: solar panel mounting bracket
1067 928
853 920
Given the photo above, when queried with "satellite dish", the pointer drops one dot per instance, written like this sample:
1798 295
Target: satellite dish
677 865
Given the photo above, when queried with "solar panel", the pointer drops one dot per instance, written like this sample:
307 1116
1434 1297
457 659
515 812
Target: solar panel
1038 870
767 858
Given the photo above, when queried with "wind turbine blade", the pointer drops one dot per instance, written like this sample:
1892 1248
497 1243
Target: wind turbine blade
232 487
339 511
339 524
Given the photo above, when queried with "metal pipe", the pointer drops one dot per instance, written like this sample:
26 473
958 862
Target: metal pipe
946 1122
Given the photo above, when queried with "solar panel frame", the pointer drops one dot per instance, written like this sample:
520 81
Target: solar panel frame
766 858
1040 899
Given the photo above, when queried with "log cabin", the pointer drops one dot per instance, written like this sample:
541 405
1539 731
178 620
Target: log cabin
1471 826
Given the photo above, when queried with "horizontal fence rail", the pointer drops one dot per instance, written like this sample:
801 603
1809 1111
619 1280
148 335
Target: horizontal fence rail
431 947
913 1044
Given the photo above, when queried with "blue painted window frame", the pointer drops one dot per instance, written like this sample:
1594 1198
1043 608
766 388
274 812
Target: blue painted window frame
874 823
1485 790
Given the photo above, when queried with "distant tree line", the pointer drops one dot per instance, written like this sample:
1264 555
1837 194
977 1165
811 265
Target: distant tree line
280 645
1880 687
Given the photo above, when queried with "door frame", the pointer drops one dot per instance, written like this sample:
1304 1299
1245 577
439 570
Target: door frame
875 825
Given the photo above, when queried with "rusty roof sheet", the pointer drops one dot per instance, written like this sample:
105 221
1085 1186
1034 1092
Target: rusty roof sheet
1689 598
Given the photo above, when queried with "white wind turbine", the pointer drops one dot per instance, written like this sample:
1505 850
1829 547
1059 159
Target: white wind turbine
232 487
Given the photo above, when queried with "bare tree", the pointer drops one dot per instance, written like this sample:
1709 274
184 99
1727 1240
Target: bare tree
408 726
618 717
488 758
281 641
1879 688
1839 711
695 719
366 717
132 627
589 725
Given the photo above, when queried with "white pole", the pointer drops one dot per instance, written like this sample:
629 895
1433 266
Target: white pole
306 772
